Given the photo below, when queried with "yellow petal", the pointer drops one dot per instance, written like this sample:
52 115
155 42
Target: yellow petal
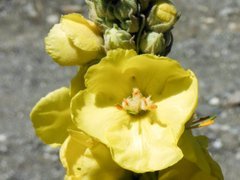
193 151
61 48
92 119
151 74
203 175
80 19
72 150
51 117
106 79
177 102
215 168
183 170
142 146
84 35
186 169
88 160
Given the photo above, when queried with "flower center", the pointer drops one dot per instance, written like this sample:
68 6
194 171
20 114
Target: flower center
137 103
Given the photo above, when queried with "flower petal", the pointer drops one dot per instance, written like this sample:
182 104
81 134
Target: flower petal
72 150
106 79
196 163
84 35
203 175
193 151
143 146
183 170
92 119
60 47
51 117
88 160
178 102
215 168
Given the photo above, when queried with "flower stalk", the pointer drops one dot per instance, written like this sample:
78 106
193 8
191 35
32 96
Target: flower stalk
129 111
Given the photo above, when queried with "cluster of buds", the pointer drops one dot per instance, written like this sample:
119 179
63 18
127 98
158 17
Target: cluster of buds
144 25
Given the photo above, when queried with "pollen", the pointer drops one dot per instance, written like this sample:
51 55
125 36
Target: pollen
137 103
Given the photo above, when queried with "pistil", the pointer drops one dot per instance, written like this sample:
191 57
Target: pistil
137 103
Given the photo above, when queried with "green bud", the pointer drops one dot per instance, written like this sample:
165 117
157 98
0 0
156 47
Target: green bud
101 12
117 38
152 43
162 16
92 11
125 8
126 12
130 25
100 9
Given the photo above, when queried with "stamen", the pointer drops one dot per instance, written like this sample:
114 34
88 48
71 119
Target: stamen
119 107
137 103
201 122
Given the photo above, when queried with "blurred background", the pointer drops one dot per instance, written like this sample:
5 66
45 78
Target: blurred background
207 40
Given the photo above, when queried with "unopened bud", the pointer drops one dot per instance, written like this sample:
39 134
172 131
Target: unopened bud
130 25
162 16
117 38
126 14
153 43
100 9
125 8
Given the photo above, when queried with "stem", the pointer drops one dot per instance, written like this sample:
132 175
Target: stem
142 22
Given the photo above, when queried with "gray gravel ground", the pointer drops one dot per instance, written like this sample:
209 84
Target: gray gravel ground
207 40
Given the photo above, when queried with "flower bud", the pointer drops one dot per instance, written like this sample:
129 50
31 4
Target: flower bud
153 43
74 41
130 25
162 16
117 38
100 9
125 8
126 14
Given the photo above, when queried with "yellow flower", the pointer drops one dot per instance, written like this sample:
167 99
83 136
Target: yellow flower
196 164
87 159
74 41
138 106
